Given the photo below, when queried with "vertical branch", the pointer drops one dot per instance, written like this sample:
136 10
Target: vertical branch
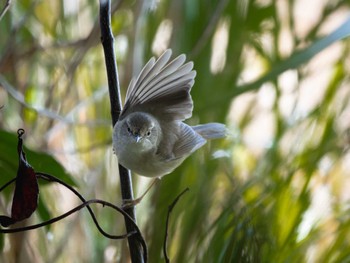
107 40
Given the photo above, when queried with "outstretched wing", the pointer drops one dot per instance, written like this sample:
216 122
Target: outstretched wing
188 142
162 89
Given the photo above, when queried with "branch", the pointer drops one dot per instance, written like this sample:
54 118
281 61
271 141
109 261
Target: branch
170 209
75 209
5 8
86 204
107 40
51 178
58 218
18 96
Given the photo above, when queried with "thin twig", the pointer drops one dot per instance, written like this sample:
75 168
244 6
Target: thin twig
87 149
85 203
5 8
56 219
51 178
170 209
44 112
7 184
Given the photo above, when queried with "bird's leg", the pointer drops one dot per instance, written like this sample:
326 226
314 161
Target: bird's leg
127 203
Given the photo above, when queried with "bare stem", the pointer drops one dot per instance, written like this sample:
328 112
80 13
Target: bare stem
107 40
170 209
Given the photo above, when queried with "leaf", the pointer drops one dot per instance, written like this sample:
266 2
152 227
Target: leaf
43 212
41 161
298 58
25 199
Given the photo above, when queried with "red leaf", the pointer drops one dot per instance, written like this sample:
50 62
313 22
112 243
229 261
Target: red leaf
25 199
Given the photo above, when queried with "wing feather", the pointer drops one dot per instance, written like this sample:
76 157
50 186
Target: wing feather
162 88
188 142
131 89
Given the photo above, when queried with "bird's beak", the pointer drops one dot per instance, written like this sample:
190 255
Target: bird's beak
137 138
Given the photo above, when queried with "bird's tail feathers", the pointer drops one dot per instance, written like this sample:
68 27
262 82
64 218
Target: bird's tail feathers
211 130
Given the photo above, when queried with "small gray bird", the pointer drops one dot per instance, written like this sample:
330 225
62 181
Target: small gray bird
150 137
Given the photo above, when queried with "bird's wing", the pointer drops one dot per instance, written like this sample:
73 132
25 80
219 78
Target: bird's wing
162 88
188 142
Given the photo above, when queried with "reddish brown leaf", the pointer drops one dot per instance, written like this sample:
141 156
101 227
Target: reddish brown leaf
25 199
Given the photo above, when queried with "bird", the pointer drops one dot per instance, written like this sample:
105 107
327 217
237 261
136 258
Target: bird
150 137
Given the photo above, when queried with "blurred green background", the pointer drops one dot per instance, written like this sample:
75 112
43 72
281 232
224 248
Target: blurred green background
276 72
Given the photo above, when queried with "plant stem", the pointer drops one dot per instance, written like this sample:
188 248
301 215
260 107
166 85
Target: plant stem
107 40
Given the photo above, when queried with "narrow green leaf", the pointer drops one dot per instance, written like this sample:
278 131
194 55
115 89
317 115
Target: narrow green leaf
297 59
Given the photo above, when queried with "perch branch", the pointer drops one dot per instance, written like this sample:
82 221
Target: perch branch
107 40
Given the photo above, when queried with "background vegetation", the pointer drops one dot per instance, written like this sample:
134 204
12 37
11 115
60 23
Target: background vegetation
276 72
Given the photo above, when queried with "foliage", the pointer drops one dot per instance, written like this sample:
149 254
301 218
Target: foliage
274 191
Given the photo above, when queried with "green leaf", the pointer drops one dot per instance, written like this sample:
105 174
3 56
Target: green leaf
43 211
41 162
298 58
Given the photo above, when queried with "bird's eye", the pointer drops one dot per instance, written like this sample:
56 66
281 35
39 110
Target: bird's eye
148 133
129 130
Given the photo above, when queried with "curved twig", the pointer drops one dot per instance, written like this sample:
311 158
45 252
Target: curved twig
170 209
58 218
125 214
86 204
7 184
51 178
